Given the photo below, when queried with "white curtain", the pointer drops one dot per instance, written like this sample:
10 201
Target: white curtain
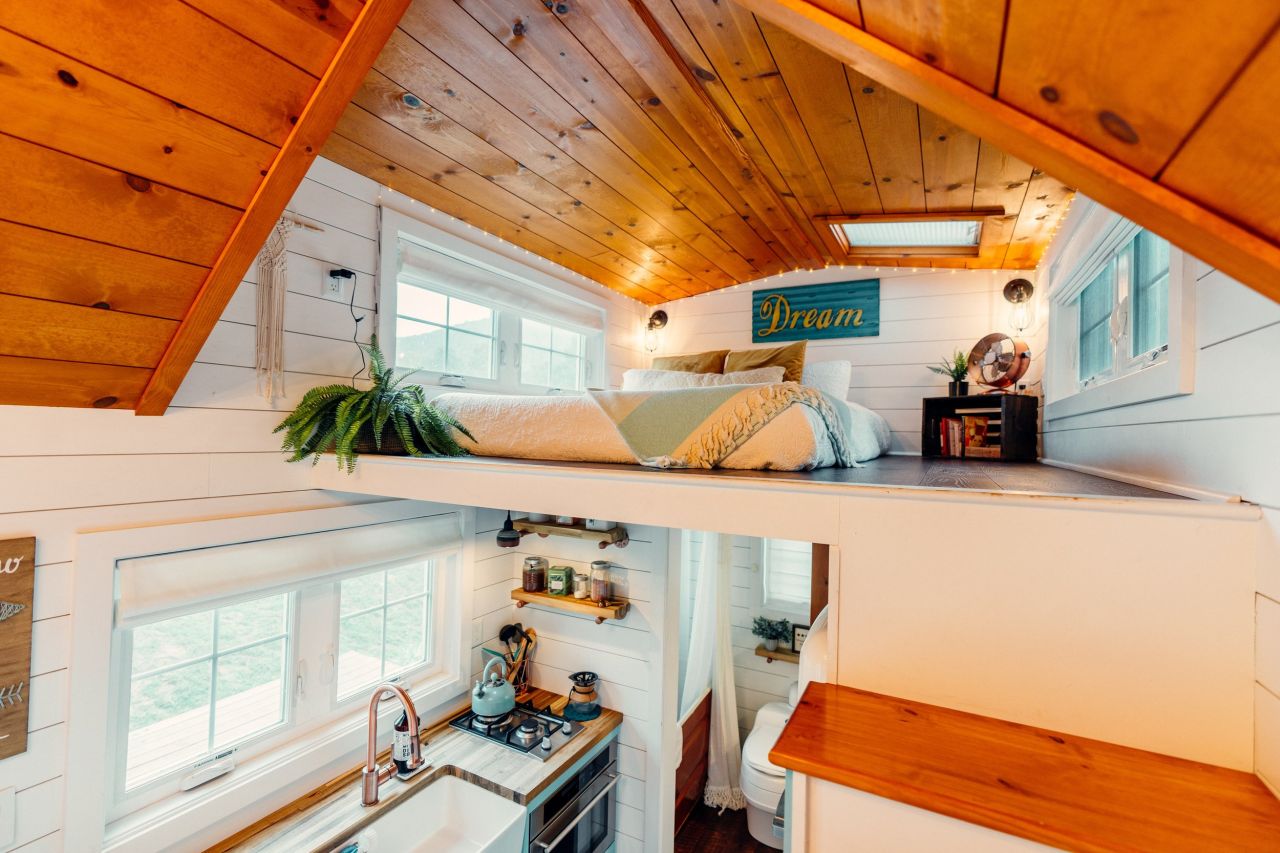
711 664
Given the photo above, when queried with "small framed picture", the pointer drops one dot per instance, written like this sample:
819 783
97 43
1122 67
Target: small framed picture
799 633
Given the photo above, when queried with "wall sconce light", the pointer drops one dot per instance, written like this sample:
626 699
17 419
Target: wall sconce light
1019 293
508 536
657 321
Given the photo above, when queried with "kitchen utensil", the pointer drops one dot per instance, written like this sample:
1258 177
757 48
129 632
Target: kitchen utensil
583 700
493 695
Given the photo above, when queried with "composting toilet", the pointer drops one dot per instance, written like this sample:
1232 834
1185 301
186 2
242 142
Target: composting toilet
762 782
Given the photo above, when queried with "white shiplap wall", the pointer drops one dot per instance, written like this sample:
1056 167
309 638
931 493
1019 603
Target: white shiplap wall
212 455
924 316
624 653
756 680
1220 438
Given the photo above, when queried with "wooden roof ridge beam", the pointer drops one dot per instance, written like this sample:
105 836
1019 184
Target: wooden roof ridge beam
353 60
1206 233
802 248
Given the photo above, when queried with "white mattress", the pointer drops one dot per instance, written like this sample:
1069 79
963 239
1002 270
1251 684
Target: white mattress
574 429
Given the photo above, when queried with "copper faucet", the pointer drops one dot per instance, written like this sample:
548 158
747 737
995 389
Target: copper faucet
373 775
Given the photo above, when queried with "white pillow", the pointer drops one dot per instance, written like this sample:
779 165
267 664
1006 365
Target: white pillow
829 377
638 379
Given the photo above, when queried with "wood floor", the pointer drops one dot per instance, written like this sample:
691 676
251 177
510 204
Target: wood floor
915 471
707 831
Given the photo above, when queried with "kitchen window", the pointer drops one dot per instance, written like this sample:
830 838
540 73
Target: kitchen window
1121 316
460 316
231 658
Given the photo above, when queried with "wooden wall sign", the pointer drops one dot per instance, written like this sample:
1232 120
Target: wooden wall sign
17 585
840 309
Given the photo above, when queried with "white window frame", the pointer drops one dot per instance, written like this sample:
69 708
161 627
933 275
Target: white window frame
269 779
770 606
387 342
504 272
1093 238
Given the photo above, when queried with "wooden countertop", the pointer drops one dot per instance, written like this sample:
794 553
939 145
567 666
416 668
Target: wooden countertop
332 812
1057 789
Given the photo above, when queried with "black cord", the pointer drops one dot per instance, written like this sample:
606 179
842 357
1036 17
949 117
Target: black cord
355 332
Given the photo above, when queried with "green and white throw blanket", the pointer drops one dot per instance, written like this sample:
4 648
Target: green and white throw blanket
701 427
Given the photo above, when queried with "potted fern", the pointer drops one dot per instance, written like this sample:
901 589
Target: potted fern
955 368
387 418
771 631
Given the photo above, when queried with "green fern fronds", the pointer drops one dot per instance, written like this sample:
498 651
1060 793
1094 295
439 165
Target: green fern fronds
335 418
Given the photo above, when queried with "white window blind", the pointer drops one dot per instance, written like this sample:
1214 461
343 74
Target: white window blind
167 585
788 567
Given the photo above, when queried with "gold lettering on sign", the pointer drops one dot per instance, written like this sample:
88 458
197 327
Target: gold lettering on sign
776 311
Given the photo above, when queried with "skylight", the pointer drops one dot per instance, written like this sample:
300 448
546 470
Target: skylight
915 234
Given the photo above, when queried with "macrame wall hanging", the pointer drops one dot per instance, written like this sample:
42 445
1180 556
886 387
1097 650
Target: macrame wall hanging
273 283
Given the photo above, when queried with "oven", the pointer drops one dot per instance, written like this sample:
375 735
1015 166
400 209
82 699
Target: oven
580 817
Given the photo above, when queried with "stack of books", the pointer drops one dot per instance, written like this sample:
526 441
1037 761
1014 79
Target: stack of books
968 435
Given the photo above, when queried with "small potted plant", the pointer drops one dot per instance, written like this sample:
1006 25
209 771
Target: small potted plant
955 368
771 631
385 418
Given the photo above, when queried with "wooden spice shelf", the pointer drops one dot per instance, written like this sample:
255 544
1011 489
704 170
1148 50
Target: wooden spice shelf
615 609
777 654
617 536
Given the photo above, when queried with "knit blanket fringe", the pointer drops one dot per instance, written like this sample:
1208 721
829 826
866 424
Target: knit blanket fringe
724 798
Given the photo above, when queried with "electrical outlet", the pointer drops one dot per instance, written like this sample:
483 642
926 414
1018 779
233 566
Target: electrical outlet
335 282
8 817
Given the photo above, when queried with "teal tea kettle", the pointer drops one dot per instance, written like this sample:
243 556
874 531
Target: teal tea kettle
493 695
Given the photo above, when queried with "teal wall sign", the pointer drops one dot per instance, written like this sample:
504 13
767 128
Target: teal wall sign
841 309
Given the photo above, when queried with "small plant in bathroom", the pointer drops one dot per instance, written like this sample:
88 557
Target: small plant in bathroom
955 368
385 418
771 631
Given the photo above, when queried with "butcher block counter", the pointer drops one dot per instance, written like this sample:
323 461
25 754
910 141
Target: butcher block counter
331 813
1048 787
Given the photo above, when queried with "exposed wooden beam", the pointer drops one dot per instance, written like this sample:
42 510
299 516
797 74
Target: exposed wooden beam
350 64
1237 251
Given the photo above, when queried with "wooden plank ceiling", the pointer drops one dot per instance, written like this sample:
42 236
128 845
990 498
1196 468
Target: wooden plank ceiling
147 153
668 147
1164 110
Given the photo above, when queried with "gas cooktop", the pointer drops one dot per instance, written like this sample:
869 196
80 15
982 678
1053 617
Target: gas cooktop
525 729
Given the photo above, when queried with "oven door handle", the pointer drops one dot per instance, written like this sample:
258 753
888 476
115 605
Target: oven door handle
586 810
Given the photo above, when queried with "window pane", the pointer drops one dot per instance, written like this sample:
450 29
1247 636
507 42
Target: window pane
406 635
566 342
787 569
471 317
564 371
359 651
251 621
1095 303
535 367
406 581
250 687
172 641
421 304
1151 293
535 334
361 593
419 346
470 355
168 721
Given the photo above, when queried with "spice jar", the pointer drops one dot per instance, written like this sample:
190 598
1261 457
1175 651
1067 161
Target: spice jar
600 582
560 580
534 576
581 585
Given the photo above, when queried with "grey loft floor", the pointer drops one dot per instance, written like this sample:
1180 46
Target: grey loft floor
973 475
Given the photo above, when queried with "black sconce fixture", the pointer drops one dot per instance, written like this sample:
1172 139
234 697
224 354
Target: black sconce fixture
508 536
657 320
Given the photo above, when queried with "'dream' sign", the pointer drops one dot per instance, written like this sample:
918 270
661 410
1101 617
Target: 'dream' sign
841 309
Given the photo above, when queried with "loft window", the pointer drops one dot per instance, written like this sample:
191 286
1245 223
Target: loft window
958 235
550 356
443 333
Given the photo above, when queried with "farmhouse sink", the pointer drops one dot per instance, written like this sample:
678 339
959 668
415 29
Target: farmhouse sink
447 816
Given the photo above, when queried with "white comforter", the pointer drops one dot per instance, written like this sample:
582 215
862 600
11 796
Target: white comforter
574 429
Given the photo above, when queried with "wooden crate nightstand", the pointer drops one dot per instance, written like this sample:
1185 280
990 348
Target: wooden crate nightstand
1013 415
